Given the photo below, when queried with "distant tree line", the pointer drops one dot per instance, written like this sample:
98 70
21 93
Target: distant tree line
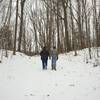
70 25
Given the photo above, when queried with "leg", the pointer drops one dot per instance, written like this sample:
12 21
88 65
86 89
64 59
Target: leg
53 64
43 64
46 64
54 67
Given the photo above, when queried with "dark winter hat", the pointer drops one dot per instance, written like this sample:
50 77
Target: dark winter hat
44 48
54 47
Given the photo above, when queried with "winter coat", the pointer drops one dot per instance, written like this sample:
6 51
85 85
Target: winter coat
44 54
54 54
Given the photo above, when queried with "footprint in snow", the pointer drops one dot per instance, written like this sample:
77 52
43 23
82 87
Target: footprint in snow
56 84
72 85
65 75
61 67
11 78
29 95
48 95
32 95
26 95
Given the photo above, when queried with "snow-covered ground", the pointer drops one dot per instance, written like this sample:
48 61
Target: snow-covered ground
22 78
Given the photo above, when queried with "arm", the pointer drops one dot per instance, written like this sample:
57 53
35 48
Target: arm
41 53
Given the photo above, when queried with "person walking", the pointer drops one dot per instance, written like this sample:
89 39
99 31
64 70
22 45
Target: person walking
54 58
44 57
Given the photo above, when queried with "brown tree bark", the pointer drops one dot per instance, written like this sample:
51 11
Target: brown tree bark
14 50
21 25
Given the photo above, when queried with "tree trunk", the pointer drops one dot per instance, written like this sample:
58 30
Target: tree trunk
21 25
67 43
14 50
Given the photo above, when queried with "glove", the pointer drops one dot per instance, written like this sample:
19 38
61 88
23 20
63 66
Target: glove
57 57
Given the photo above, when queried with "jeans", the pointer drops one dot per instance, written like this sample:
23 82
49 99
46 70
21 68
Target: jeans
44 64
54 63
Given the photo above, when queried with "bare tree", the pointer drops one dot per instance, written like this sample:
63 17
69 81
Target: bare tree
73 30
21 25
14 50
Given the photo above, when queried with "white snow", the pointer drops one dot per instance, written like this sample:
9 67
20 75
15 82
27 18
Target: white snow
22 78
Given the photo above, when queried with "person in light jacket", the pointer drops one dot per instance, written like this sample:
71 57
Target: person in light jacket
54 58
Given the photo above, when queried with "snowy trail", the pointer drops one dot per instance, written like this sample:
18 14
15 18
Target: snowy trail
22 78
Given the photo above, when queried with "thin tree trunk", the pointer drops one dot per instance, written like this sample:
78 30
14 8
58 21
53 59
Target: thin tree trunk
21 25
73 32
14 50
67 44
58 43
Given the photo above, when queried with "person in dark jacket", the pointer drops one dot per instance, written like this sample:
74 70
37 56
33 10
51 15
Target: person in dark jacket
44 57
